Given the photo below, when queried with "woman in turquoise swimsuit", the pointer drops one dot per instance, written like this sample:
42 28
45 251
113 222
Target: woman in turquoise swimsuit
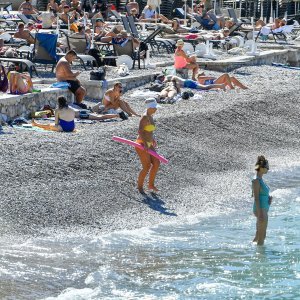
262 200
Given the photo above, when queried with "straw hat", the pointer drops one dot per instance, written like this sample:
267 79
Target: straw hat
180 43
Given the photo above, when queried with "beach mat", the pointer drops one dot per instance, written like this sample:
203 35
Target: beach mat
285 66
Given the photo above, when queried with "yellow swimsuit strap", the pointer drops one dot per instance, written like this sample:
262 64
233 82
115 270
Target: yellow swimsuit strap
149 127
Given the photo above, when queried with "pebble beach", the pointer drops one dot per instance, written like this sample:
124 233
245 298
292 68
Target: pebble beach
85 181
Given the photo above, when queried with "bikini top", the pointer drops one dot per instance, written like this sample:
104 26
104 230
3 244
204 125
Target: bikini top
149 128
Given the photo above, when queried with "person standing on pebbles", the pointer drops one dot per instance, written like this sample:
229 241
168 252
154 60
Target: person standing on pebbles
262 200
145 138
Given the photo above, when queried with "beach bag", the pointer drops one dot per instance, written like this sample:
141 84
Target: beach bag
4 81
123 70
98 75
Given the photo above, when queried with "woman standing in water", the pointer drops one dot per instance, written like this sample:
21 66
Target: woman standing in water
145 138
262 200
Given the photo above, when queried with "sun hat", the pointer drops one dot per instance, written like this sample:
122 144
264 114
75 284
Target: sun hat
151 103
180 43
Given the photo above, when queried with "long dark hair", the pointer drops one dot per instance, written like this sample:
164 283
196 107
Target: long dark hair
62 102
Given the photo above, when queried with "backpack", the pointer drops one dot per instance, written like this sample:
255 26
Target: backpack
4 81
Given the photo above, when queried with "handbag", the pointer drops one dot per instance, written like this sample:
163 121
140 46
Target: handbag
4 81
98 75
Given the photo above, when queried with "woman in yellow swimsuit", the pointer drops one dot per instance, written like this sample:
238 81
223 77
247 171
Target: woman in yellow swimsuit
145 138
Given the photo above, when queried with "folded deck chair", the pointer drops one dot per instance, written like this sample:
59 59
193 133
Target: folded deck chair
44 51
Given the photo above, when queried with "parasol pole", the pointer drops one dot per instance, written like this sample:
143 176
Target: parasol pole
185 8
271 13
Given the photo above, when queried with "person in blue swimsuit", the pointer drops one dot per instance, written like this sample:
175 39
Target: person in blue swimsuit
64 118
230 82
262 200
191 84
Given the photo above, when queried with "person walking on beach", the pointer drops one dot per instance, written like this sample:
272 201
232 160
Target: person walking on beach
262 200
145 138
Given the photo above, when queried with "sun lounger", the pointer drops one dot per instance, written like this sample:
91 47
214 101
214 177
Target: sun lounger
129 50
30 65
232 15
116 15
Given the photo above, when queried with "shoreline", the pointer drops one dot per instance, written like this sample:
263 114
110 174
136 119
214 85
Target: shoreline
85 180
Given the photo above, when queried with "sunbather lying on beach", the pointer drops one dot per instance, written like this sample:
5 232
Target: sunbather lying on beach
229 81
65 115
191 84
172 88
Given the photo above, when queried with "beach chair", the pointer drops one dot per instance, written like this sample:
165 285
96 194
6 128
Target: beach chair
129 50
80 45
179 12
116 15
25 64
132 27
6 6
44 51
232 15
126 24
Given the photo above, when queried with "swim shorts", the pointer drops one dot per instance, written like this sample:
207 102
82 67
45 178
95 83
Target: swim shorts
74 85
191 84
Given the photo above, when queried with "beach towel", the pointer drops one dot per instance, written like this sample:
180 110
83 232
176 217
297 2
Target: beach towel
61 85
48 42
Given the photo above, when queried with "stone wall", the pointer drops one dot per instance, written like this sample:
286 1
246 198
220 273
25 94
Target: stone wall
23 105
96 89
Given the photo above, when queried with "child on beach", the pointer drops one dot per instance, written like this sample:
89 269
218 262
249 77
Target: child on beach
262 200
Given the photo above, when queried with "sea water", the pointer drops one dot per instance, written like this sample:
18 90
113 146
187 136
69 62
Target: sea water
199 258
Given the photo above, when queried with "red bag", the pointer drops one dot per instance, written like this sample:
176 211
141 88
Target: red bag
4 81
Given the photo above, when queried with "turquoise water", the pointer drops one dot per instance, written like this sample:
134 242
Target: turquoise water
200 258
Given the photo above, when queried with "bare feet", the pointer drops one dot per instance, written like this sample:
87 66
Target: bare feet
154 189
141 190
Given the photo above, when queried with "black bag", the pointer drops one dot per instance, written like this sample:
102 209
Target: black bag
98 75
156 87
96 54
